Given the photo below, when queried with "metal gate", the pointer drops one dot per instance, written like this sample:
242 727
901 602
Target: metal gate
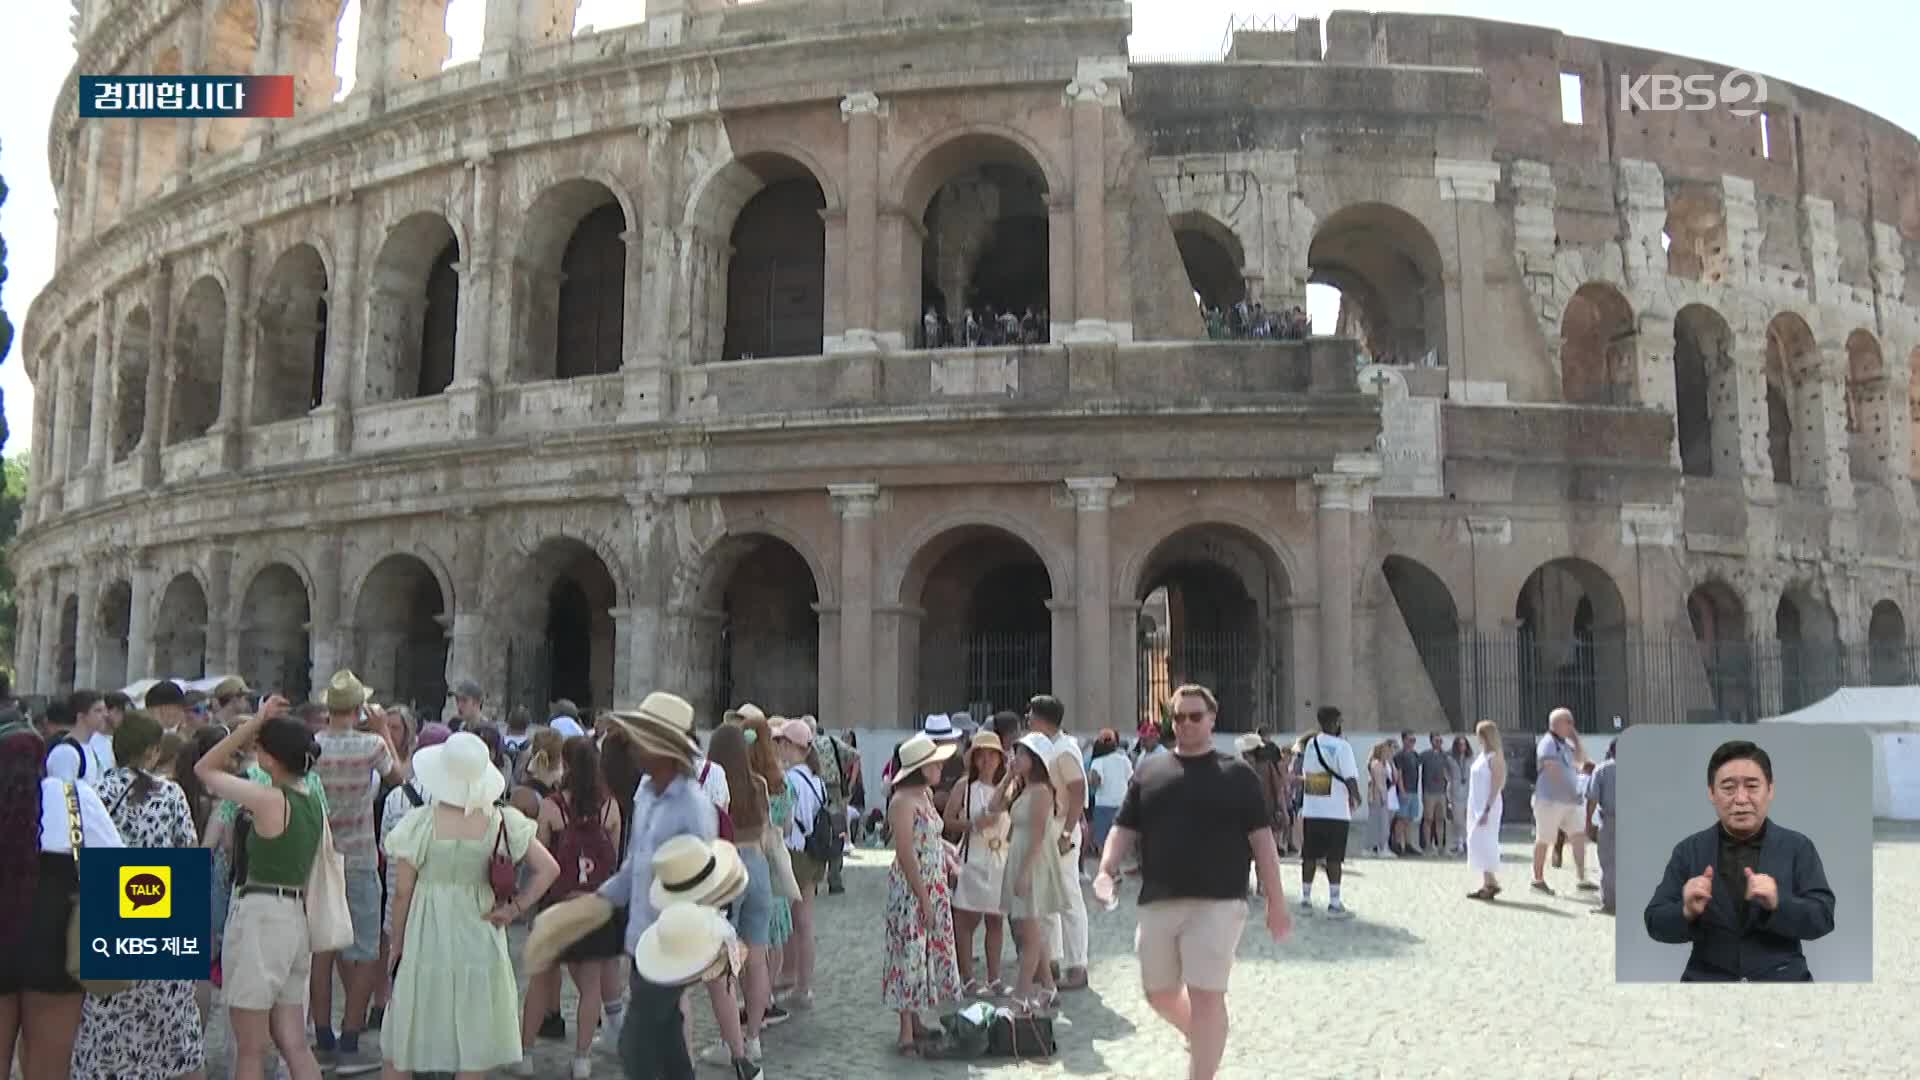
982 673
529 678
1243 669
783 678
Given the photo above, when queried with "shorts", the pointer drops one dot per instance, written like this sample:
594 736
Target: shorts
264 960
1435 806
1409 807
1189 942
807 872
753 912
1550 819
1323 840
1102 825
365 900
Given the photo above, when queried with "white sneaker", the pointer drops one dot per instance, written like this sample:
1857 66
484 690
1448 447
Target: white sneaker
1338 911
524 1067
753 1049
717 1054
582 1068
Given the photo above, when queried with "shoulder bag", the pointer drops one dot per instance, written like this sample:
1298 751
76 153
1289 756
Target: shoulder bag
77 839
502 874
329 919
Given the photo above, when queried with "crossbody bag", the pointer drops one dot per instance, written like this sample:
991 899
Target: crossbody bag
1320 783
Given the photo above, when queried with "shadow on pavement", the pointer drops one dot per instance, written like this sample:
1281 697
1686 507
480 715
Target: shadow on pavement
1316 938
1089 1019
1528 905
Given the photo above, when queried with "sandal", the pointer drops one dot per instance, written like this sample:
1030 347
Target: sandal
907 1050
973 988
1483 893
999 989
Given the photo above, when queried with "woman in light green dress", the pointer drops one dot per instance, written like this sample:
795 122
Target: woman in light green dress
780 809
455 1007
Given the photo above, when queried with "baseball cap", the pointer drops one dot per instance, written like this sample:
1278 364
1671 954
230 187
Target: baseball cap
165 692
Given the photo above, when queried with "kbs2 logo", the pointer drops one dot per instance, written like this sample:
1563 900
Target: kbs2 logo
146 892
1741 93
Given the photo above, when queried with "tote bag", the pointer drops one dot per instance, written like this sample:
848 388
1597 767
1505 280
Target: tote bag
329 920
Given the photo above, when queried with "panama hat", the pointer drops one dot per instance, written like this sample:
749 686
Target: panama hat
1248 743
460 772
939 728
346 692
682 944
689 870
919 752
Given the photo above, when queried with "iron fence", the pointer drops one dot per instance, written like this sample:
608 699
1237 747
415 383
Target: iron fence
1244 671
983 672
779 673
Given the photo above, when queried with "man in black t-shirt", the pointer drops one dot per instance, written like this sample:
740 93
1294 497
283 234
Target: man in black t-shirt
1200 821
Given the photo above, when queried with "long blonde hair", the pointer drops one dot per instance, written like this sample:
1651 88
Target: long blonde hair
1488 733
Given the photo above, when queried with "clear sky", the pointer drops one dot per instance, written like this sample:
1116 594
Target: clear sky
1856 50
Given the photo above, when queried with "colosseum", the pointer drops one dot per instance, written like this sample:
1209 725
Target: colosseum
625 359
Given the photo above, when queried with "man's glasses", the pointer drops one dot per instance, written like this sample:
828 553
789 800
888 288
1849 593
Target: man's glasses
1195 717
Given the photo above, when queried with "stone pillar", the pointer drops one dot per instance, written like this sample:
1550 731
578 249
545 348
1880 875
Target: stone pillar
266 54
40 439
1093 598
129 167
1060 269
1333 524
644 638
140 618
643 383
649 337
471 394
46 670
26 617
222 647
159 372
861 111
98 452
852 697
466 641
325 630
512 26
90 202
1066 661
59 429
1825 379
87 587
227 427
827 674
338 391
1087 99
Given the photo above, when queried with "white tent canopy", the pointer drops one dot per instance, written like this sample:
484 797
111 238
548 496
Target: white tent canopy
1891 717
137 692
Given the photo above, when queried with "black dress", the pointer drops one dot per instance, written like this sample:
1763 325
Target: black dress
37 955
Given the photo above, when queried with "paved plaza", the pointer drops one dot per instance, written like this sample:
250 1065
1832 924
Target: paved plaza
1422 983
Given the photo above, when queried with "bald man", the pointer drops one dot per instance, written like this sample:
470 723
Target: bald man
1556 799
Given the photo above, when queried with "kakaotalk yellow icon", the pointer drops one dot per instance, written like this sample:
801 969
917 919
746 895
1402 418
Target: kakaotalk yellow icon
146 892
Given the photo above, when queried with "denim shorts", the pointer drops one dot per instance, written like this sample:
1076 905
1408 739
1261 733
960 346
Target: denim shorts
364 897
753 912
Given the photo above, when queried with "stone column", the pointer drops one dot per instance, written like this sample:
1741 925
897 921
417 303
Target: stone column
1093 598
159 372
861 111
227 427
325 629
466 643
338 391
1333 524
649 337
471 395
266 54
129 167
852 697
40 439
140 618
1060 268
1087 99
1066 661
222 646
87 587
46 669
98 452
26 617
90 202
59 429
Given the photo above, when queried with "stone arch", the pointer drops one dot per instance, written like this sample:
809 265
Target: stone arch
158 138
1794 445
1808 636
80 423
983 197
757 624
193 391
1214 259
113 629
232 43
1890 660
413 309
275 632
1706 395
1213 598
402 612
1867 413
129 418
560 631
773 301
570 282
180 629
1572 622
1724 642
67 645
1598 351
290 360
980 632
1391 278
1432 619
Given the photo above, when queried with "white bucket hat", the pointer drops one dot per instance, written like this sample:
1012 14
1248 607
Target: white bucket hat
459 772
919 752
689 870
682 944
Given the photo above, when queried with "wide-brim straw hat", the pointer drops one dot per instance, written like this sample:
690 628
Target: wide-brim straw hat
986 740
689 870
919 752
460 772
682 944
345 691
663 725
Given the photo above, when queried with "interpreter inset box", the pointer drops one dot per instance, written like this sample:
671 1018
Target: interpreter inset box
1744 854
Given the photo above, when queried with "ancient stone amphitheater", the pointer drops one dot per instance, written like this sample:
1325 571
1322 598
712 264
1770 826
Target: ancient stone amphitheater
598 365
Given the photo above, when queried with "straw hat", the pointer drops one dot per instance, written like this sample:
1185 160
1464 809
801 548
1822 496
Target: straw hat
689 870
919 752
460 772
682 944
346 692
986 740
663 725
745 711
1247 744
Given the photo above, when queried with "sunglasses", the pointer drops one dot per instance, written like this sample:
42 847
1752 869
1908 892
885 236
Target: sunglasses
1195 717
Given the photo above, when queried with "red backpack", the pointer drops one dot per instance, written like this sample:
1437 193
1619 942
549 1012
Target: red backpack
584 851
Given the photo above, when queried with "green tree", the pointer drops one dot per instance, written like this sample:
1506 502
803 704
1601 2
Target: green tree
12 496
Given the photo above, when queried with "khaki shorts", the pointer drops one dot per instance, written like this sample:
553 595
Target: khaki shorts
1436 805
264 960
1188 943
1550 819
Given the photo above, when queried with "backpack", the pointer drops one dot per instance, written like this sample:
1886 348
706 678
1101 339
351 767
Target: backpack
68 740
584 851
820 838
726 819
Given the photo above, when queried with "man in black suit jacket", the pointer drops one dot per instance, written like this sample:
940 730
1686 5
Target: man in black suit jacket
1746 892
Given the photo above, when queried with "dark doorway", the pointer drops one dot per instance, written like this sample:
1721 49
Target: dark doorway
440 323
776 282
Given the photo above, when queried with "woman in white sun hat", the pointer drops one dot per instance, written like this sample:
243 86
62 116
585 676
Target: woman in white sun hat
455 1006
686 945
922 971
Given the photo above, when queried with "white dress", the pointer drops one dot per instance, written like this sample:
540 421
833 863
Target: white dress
986 861
1483 841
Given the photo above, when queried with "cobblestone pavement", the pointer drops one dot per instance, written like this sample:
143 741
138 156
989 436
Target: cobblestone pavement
1422 983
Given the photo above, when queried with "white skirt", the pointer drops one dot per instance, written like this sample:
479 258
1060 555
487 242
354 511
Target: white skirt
1483 841
982 876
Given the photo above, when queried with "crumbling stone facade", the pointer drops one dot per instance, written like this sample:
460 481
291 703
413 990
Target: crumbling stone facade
590 367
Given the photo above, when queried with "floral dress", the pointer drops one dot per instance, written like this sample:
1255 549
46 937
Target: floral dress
780 809
150 1031
922 969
